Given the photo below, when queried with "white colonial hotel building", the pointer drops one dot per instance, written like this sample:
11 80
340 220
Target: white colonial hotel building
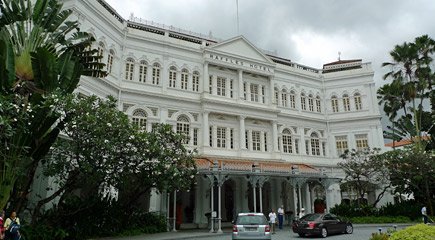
258 121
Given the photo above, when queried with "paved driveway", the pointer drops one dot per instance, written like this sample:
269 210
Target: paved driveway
360 233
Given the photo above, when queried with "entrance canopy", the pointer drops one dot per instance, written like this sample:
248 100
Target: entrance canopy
251 167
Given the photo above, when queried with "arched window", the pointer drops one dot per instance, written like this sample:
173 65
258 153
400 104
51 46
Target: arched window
183 127
292 99
358 103
172 76
318 104
303 101
139 118
184 78
346 103
156 74
101 50
334 104
276 91
195 81
315 144
143 71
129 69
311 103
110 61
287 141
284 99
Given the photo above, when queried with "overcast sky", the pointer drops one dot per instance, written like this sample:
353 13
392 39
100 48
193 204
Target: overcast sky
307 32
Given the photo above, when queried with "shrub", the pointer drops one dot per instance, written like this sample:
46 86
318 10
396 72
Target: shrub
379 236
101 218
407 208
352 210
416 232
381 219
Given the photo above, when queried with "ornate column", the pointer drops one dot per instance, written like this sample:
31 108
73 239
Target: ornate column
240 93
261 182
272 90
242 132
326 183
205 79
307 198
228 138
262 147
214 85
168 197
205 129
220 181
275 136
211 179
253 180
175 212
214 135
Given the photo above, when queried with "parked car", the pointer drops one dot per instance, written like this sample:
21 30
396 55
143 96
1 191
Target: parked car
321 224
251 226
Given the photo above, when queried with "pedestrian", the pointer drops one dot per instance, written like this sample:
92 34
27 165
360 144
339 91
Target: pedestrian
272 221
12 226
424 213
2 229
280 216
302 213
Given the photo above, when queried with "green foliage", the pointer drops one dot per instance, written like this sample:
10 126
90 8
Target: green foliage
42 231
380 219
102 218
416 232
353 210
365 173
406 211
409 208
42 56
379 236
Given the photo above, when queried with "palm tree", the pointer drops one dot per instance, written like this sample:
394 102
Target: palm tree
42 56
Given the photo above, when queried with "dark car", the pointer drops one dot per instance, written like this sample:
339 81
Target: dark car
321 224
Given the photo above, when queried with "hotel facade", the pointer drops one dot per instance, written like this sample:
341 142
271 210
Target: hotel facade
268 131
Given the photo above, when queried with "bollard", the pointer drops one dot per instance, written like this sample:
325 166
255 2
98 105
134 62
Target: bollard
380 230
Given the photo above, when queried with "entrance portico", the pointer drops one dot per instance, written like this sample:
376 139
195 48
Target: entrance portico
247 186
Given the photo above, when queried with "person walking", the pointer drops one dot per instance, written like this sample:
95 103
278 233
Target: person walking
302 213
272 221
424 213
280 217
12 226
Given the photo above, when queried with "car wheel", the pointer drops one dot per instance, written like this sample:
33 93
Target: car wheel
349 229
324 232
301 235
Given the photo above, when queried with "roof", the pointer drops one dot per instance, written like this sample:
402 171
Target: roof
239 165
342 62
405 142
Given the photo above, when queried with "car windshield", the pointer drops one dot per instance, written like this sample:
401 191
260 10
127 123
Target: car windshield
251 220
310 217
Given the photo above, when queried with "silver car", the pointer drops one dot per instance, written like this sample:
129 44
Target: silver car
251 226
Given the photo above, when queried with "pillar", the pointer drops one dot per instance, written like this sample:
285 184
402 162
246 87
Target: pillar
214 85
219 208
174 221
205 129
275 136
242 132
271 90
260 188
240 84
299 198
205 82
212 207
167 211
307 199
295 200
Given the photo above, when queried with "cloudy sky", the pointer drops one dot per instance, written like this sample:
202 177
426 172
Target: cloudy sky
307 32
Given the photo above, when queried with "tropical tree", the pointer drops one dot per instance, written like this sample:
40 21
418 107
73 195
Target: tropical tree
42 56
91 153
365 173
412 81
412 172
